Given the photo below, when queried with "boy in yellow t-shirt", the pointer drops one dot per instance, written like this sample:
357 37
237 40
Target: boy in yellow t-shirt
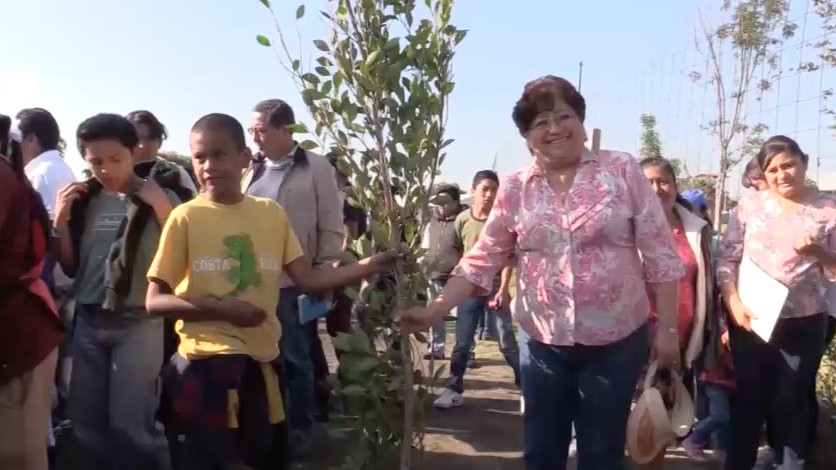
218 270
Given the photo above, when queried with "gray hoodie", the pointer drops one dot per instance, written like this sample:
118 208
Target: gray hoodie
439 240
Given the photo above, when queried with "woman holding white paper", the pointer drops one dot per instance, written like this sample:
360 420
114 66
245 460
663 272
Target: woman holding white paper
788 231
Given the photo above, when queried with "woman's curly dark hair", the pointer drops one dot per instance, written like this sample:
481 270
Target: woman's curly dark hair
540 95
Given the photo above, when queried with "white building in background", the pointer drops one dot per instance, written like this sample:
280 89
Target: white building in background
826 179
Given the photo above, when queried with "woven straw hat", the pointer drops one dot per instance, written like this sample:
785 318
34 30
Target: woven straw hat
651 427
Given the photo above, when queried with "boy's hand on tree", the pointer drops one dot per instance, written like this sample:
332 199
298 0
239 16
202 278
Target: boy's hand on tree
409 263
383 262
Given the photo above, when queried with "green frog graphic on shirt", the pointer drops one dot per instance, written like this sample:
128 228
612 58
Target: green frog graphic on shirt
240 248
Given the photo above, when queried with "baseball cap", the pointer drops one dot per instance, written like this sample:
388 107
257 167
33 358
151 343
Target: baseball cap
695 197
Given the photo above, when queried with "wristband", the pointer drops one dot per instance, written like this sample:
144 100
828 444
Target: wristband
58 232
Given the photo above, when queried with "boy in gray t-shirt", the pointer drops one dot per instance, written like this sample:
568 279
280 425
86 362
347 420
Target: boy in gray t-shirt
108 228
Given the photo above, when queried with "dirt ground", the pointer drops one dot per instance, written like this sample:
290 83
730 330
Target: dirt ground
485 433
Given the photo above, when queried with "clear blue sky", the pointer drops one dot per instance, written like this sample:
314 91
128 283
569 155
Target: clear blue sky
184 58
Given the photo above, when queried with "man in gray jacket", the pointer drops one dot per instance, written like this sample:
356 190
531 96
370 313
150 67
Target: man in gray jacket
442 255
303 183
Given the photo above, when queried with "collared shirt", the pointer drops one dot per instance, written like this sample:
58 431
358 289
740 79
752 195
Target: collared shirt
758 229
270 182
48 173
309 194
582 263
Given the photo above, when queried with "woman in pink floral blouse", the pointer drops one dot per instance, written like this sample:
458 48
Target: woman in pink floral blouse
586 231
789 231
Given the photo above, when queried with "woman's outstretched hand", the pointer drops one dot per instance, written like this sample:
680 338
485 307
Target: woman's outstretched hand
413 320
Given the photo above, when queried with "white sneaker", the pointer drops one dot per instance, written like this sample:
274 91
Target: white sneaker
448 399
522 405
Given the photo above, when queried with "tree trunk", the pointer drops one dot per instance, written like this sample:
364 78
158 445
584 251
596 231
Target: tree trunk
408 403
719 199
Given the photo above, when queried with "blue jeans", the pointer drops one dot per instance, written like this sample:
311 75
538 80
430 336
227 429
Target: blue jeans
295 347
718 420
590 386
115 389
467 320
487 325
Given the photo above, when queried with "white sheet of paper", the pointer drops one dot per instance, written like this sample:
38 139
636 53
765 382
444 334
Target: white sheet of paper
762 294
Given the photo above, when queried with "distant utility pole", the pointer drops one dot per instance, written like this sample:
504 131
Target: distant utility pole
580 76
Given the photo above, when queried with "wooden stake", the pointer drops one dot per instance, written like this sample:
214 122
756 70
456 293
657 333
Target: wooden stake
596 140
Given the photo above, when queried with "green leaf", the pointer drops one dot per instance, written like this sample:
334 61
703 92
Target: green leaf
321 45
364 364
363 247
308 145
326 87
360 341
351 293
353 390
311 78
300 12
298 128
323 71
365 82
393 43
395 384
307 97
296 65
372 59
262 39
342 342
266 3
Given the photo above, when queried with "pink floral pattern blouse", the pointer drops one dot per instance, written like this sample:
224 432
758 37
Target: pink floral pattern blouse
582 263
759 230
